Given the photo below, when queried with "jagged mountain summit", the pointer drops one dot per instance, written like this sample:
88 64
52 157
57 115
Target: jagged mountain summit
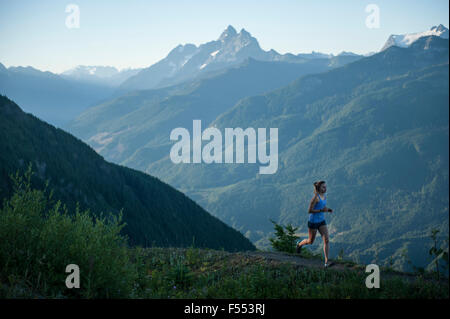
405 40
187 61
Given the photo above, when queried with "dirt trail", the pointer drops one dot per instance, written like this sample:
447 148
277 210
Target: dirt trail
279 257
293 259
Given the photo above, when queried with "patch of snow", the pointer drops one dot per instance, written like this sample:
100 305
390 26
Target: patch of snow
214 53
186 59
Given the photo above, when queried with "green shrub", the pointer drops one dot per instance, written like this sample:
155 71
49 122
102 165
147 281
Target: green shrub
39 238
285 239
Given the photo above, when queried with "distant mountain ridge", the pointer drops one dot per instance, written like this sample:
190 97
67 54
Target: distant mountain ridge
50 96
103 75
135 127
187 61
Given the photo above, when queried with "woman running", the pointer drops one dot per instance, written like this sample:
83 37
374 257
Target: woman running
316 210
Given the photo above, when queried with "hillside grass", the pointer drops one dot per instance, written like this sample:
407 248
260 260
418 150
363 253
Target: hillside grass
168 273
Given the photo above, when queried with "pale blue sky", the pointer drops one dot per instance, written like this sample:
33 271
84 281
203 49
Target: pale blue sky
136 33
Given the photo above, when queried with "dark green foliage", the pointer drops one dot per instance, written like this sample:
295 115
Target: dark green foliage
154 212
285 238
39 238
439 255
435 251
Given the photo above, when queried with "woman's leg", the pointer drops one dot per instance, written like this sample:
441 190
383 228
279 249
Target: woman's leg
323 230
311 236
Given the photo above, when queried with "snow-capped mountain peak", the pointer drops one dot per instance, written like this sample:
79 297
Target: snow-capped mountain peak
188 61
441 29
229 33
104 75
405 40
98 71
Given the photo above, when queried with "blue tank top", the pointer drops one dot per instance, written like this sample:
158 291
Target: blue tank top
318 217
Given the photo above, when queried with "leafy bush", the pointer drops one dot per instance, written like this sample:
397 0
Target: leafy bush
39 238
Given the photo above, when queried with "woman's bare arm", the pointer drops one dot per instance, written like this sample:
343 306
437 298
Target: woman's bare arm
313 202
